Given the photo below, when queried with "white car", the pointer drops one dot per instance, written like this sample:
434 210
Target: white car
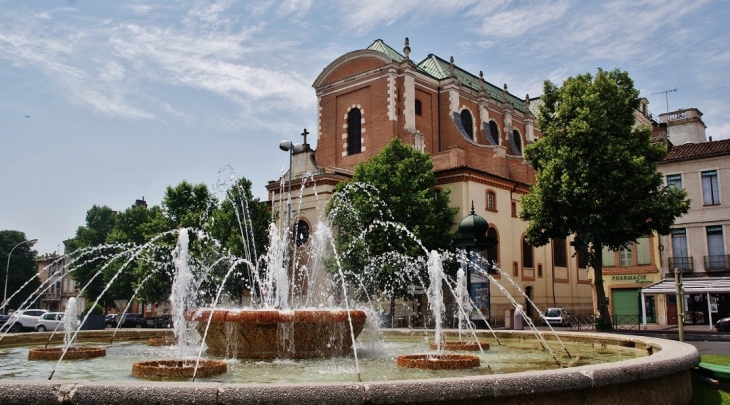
23 320
556 316
52 321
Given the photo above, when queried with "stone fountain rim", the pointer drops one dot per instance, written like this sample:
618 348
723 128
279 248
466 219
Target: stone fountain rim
671 358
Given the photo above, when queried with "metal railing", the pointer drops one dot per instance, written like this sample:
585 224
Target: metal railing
627 322
578 322
684 264
717 263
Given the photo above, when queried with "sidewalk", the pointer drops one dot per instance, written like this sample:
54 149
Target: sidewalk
691 332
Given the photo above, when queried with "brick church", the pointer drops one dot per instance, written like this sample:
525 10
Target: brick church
475 133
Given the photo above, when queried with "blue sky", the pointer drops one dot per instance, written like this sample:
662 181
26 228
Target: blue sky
106 102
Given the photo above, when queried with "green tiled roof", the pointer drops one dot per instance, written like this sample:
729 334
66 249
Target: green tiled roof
381 46
439 69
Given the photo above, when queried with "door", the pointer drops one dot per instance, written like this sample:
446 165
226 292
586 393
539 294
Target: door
626 306
671 309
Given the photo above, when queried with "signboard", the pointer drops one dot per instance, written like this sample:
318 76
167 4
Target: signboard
480 297
631 279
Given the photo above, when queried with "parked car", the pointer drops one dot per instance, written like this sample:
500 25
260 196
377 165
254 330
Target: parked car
51 321
556 316
23 320
3 319
129 320
164 321
723 325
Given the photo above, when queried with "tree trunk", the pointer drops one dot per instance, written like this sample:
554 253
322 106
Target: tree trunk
601 301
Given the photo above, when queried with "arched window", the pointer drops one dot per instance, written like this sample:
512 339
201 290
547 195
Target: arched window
491 201
468 123
527 255
354 132
494 130
518 141
301 232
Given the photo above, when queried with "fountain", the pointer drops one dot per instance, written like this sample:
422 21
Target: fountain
67 352
280 354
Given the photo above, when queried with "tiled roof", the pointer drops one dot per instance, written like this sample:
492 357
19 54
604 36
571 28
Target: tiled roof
439 69
698 150
381 46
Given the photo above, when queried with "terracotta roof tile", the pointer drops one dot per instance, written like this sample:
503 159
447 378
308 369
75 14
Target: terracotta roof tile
698 150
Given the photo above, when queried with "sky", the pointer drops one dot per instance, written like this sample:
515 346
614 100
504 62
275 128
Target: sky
107 102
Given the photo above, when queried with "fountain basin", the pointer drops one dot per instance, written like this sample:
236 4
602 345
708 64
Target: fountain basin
438 361
270 334
166 341
663 376
73 353
466 346
178 369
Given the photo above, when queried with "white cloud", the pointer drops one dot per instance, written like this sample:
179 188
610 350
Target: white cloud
371 15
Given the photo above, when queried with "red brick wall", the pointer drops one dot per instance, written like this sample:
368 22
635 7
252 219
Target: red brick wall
378 129
352 68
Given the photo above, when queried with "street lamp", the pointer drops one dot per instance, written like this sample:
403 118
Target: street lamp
7 269
292 148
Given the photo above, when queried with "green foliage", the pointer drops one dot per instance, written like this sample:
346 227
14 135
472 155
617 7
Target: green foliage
100 221
93 309
140 241
20 269
596 171
390 195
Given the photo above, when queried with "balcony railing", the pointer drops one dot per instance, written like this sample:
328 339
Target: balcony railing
52 296
684 264
717 263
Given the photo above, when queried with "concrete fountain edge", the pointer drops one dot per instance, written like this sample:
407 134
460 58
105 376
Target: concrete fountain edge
664 376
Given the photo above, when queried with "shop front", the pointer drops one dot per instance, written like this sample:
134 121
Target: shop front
704 300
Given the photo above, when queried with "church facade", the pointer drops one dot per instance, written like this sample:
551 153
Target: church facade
474 131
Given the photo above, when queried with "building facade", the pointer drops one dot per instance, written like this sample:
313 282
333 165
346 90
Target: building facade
474 131
698 245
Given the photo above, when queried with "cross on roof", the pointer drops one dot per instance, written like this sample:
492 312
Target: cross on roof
304 134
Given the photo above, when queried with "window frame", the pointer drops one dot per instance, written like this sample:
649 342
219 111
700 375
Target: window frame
493 195
467 122
354 131
560 252
714 184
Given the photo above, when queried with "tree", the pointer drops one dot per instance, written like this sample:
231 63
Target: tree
20 269
596 172
241 224
100 221
391 191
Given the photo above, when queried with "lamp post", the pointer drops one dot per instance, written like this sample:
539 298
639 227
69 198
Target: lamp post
7 269
292 148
